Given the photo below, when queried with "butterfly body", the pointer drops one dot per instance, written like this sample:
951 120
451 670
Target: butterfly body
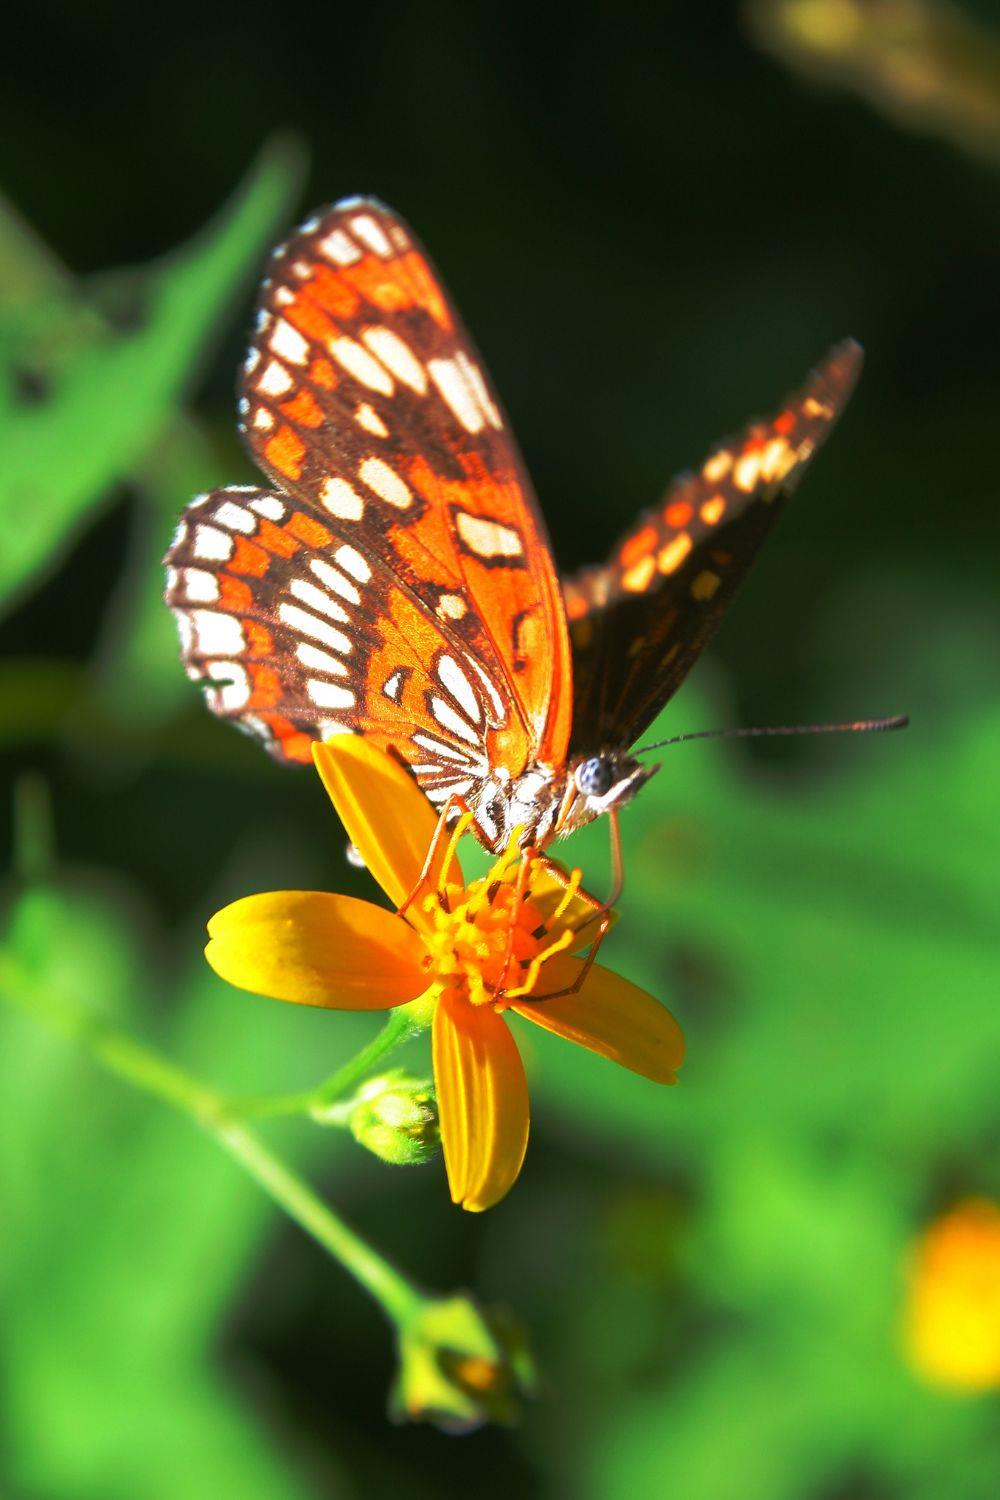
394 578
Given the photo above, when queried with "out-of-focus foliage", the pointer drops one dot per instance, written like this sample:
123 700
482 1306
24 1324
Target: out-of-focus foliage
715 1276
926 63
89 379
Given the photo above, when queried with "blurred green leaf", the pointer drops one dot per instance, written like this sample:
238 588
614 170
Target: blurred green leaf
829 942
125 1235
63 444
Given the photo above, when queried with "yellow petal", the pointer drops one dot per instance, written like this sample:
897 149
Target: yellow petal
482 1102
388 819
610 1016
317 949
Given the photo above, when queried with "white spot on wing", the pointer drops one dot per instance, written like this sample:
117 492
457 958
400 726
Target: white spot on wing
451 676
318 599
474 376
275 380
328 694
334 579
340 248
370 233
267 505
397 356
235 518
441 747
212 545
199 587
487 539
217 634
367 417
363 366
447 717
287 342
235 690
307 624
386 483
496 701
263 418
450 380
352 562
341 500
320 661
393 685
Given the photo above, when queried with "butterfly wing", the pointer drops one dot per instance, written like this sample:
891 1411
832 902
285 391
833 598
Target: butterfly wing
638 623
397 580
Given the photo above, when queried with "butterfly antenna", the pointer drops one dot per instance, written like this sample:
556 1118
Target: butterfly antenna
857 726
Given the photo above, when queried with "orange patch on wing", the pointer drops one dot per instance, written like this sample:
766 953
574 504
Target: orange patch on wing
705 585
310 321
294 744
307 530
785 423
641 576
234 594
713 510
302 409
285 451
249 559
277 539
428 295
298 747
333 293
679 513
321 372
266 687
259 639
673 554
637 546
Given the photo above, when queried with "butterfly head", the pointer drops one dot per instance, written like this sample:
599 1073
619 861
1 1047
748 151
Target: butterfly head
600 784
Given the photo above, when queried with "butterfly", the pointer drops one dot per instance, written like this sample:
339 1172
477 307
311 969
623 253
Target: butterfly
394 579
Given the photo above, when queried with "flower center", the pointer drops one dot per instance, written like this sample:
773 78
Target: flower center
488 941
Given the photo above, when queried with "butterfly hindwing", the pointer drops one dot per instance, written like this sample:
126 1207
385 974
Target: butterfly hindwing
638 623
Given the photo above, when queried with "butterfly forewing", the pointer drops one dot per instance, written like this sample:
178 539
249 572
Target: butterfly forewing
397 581
638 623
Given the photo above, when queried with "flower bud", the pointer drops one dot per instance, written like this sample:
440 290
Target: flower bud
461 1366
395 1117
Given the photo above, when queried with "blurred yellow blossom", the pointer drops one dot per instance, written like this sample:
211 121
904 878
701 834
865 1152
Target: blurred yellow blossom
953 1312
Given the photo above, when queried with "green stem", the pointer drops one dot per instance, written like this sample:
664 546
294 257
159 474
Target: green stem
396 1030
145 1069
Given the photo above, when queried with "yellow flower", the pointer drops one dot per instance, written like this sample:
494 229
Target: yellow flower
455 950
953 1312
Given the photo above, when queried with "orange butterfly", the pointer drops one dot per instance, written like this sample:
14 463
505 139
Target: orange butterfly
397 581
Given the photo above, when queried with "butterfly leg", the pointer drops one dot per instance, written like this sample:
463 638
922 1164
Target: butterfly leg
601 914
453 805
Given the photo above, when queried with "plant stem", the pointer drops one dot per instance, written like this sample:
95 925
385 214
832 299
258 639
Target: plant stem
396 1030
147 1070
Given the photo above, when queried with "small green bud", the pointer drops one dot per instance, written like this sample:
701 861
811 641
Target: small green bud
395 1117
461 1366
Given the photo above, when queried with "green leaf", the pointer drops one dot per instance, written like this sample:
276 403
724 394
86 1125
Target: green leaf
62 449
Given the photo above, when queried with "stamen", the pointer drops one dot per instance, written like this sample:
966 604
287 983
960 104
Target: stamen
461 827
569 891
535 966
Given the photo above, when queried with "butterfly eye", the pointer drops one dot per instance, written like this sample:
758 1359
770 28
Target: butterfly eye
594 777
